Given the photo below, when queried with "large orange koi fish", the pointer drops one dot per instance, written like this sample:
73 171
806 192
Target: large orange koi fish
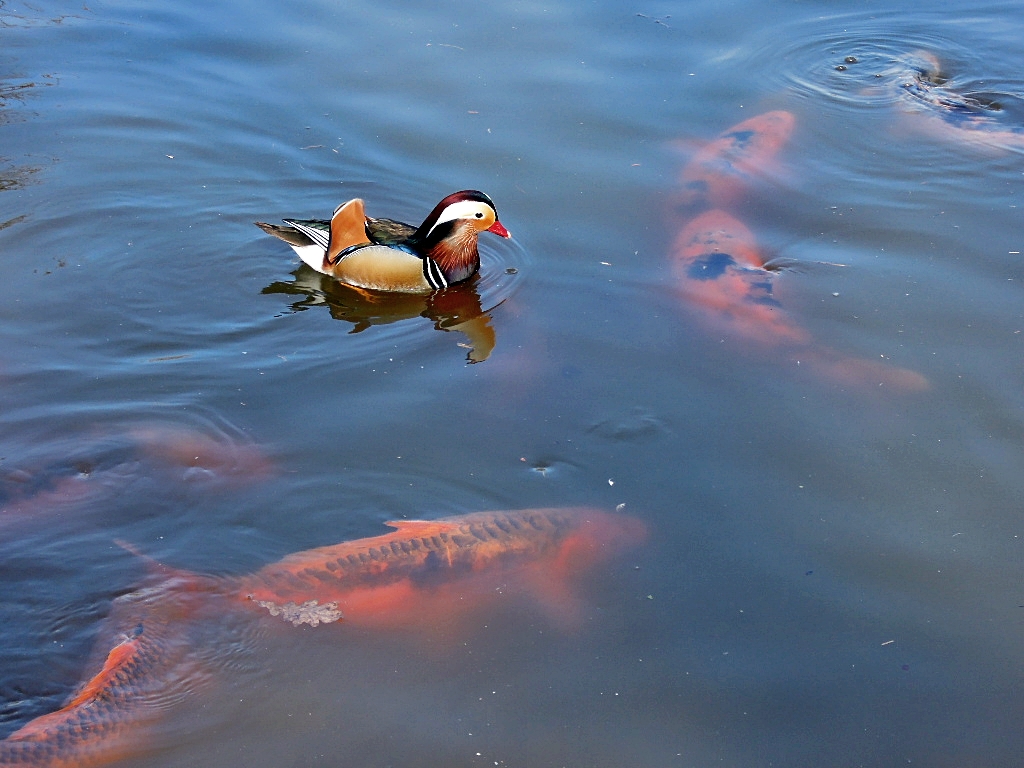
720 270
421 570
426 569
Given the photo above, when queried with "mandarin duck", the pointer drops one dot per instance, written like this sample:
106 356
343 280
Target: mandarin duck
387 255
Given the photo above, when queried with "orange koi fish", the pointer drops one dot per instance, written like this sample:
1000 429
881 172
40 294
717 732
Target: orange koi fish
214 457
421 568
63 493
105 720
719 268
715 258
219 457
434 567
930 103
723 170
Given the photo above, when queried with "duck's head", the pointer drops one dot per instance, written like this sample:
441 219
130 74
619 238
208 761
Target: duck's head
468 209
449 234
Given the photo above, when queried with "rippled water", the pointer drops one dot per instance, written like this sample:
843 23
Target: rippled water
834 576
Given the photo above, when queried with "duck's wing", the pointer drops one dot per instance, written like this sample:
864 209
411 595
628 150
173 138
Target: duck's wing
388 231
346 228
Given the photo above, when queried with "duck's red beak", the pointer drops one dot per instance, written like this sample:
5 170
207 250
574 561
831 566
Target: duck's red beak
499 229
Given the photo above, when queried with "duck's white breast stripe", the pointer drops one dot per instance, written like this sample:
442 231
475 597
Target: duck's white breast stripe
432 274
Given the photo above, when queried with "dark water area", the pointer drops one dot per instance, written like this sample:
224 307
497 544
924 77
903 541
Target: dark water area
834 572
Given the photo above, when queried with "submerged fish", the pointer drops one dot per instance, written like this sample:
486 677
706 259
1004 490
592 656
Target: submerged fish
721 171
432 567
140 674
720 270
716 261
943 105
422 570
719 267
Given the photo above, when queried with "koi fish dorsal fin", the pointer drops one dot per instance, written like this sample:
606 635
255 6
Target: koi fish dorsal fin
348 228
118 658
419 527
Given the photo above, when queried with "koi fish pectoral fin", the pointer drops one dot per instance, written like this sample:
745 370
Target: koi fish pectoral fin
558 584
562 601
555 597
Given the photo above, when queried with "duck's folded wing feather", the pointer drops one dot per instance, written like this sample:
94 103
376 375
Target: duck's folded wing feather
290 234
315 232
388 231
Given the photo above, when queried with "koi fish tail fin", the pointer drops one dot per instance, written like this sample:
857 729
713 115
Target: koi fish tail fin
863 373
187 589
599 537
155 570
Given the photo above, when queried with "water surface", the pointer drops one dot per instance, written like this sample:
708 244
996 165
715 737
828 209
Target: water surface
834 576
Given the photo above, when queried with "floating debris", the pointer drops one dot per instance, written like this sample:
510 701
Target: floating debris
310 612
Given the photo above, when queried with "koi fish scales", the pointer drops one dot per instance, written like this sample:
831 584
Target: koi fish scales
149 659
376 578
101 722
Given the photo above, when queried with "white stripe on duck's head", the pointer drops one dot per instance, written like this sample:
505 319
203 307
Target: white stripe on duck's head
468 205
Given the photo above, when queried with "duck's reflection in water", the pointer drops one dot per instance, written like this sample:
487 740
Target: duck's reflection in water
456 308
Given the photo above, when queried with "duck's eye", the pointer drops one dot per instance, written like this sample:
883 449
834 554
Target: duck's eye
479 215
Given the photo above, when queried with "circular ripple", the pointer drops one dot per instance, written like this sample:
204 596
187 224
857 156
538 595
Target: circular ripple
502 264
880 61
